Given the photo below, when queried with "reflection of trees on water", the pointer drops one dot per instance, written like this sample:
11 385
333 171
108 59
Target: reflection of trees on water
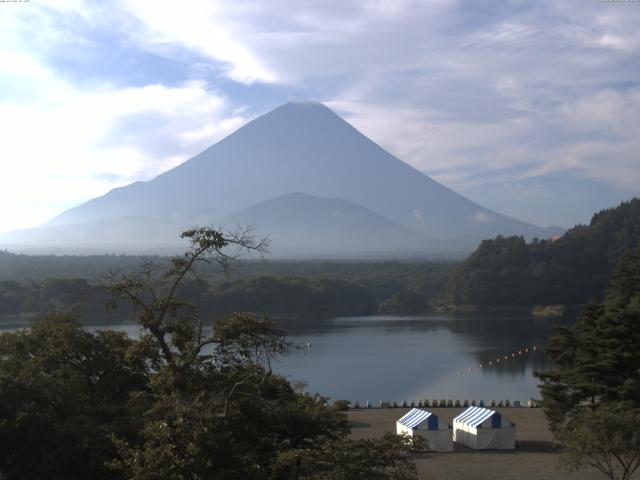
495 338
484 337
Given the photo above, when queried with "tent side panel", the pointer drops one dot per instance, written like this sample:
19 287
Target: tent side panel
429 436
488 438
464 434
507 438
403 429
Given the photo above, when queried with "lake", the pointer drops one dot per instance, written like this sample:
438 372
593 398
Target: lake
412 358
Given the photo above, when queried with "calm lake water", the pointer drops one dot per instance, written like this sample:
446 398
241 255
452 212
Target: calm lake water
412 358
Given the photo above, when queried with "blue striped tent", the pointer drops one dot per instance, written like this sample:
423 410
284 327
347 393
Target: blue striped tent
425 424
416 417
482 428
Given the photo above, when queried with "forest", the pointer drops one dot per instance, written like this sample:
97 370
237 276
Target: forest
176 403
505 272
31 286
570 270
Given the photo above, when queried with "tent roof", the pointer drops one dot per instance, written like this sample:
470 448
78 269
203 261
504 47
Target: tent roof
474 416
414 417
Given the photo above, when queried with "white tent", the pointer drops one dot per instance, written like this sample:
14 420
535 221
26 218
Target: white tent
481 429
425 424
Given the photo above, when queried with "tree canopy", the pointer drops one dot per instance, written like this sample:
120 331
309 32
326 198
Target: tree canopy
181 402
509 271
592 395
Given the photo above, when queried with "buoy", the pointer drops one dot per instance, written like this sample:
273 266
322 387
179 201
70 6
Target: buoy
481 364
470 369
459 372
489 363
534 348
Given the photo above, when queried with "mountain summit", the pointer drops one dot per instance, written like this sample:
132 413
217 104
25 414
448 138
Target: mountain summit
298 147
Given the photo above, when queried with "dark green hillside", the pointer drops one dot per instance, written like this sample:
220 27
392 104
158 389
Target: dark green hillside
280 297
30 286
570 270
294 295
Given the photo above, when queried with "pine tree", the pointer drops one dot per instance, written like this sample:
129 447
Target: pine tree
597 377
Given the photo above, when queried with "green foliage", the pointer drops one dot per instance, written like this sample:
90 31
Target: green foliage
280 296
508 271
494 274
341 405
385 458
177 403
46 296
607 439
597 359
318 288
357 289
592 396
63 390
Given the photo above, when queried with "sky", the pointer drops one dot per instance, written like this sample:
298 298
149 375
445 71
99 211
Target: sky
529 108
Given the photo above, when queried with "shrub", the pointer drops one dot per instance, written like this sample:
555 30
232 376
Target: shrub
341 405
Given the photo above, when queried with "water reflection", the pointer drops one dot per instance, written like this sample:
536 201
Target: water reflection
411 358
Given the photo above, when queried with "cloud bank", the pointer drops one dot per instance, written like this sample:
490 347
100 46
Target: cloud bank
523 106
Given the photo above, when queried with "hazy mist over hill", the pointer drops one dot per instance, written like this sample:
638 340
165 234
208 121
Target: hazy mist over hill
352 197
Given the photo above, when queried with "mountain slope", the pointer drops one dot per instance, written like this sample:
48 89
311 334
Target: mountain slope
302 225
304 147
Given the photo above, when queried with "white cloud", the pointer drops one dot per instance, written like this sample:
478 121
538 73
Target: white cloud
203 26
61 144
447 86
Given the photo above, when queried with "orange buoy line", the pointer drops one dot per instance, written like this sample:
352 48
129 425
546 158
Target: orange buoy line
496 362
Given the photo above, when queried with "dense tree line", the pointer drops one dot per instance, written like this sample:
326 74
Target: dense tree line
281 297
282 289
592 395
422 295
383 278
177 403
569 270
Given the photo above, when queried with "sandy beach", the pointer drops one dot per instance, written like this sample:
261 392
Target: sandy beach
536 458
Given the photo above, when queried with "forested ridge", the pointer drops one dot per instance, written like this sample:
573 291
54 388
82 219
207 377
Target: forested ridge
31 286
502 272
569 270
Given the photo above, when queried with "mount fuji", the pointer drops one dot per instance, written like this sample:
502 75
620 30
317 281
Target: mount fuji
300 173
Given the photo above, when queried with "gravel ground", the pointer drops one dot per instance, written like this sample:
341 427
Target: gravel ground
535 458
